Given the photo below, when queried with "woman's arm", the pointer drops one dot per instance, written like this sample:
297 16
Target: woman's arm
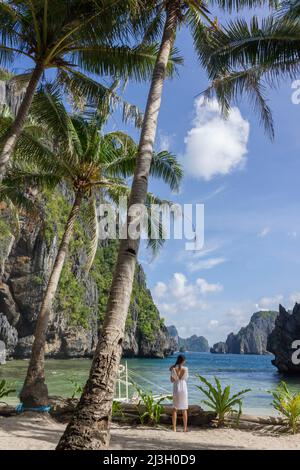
173 377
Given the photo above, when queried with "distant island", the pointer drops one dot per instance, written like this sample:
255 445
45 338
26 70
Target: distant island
251 339
194 343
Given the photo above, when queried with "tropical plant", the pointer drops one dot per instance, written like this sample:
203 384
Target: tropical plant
117 410
5 389
77 387
77 38
94 166
245 56
288 404
152 19
220 399
149 407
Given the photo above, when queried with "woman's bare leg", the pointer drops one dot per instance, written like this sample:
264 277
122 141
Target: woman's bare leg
174 419
185 419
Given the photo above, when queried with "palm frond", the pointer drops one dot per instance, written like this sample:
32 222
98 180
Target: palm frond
165 166
16 197
237 5
121 61
48 107
242 56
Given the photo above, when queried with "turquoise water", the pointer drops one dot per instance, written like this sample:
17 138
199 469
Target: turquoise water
255 372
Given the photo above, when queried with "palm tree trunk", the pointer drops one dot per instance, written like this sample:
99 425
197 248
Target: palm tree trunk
89 426
15 130
35 392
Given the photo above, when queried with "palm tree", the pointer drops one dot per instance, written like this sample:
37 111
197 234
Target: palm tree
74 37
93 165
89 426
246 56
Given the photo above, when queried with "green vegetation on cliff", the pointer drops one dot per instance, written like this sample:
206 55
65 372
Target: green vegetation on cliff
148 320
71 292
70 297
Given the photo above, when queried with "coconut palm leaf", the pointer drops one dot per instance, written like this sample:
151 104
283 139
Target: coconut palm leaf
163 166
245 56
15 197
77 39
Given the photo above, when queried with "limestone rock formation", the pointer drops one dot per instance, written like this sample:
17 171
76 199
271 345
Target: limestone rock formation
193 343
281 341
219 348
26 258
251 339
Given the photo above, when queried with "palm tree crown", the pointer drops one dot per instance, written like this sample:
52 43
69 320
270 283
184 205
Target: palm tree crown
244 57
72 35
56 147
80 39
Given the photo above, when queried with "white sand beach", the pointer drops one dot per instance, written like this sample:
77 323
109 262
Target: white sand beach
33 432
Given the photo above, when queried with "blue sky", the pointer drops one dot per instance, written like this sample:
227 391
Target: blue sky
251 256
252 227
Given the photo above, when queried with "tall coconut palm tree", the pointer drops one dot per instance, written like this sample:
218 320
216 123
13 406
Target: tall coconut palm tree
75 38
92 164
89 426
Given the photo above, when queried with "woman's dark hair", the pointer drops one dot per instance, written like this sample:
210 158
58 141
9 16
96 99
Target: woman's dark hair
180 360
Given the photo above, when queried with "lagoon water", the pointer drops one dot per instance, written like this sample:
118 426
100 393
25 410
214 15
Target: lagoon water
240 371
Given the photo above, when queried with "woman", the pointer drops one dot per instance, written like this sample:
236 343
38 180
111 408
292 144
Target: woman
179 376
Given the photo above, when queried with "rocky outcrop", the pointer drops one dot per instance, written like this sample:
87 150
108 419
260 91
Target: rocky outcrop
172 330
251 339
161 346
77 314
8 334
219 348
284 341
193 343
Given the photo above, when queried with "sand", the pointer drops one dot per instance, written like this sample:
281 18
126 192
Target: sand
33 431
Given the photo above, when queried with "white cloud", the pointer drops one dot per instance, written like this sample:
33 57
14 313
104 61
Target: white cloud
214 193
214 145
294 298
165 141
178 285
264 232
160 289
206 288
208 263
180 295
208 249
270 302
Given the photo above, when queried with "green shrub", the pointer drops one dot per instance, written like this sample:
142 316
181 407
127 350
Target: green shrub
220 400
5 389
154 408
77 387
117 410
288 404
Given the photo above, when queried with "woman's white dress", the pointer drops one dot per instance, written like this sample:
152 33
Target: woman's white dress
180 392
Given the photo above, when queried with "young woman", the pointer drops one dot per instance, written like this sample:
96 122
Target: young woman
179 376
